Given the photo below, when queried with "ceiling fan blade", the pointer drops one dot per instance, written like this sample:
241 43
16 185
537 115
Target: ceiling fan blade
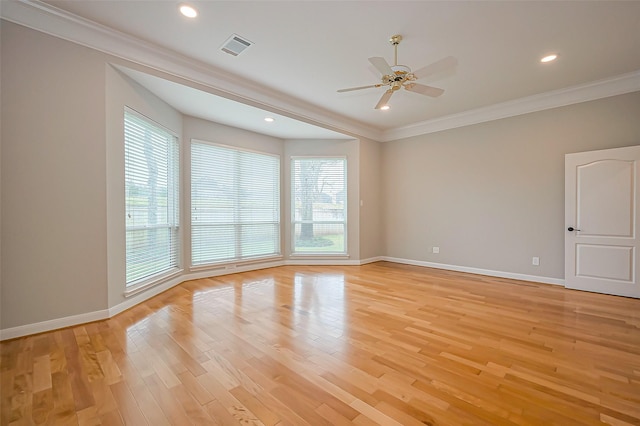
384 99
381 65
358 88
422 89
443 65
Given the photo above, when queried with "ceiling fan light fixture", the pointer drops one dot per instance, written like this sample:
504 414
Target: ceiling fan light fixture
188 11
549 58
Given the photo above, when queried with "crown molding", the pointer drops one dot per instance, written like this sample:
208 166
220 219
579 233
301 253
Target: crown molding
618 85
56 22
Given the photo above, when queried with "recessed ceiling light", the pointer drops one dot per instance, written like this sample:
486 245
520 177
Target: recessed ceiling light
188 11
269 120
549 58
385 107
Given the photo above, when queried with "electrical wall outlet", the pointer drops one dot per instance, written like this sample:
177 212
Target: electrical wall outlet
435 250
535 261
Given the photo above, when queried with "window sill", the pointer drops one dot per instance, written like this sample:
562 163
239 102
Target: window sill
152 282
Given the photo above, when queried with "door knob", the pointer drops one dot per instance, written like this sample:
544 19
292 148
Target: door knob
571 229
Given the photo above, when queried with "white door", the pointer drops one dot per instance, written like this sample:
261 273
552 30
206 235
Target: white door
601 216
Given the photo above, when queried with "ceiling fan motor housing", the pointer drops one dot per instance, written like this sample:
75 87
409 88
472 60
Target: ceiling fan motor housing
401 74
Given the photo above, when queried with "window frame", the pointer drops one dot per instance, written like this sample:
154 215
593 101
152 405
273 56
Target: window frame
238 259
174 216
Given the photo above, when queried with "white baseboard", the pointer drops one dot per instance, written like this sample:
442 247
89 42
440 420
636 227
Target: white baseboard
371 260
489 272
54 324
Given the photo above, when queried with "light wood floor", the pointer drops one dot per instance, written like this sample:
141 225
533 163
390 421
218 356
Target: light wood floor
378 344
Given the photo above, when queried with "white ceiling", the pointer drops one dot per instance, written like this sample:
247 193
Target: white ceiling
305 50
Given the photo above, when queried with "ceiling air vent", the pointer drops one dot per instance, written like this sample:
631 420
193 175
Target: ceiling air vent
235 45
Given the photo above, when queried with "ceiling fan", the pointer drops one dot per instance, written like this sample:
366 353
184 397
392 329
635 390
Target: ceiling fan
397 76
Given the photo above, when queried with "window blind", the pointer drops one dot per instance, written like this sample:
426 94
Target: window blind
235 204
151 199
319 197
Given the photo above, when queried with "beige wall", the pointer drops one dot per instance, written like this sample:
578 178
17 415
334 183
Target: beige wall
371 199
54 256
491 196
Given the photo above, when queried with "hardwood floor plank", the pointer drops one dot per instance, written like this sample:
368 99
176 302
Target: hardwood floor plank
302 405
148 405
372 414
42 406
220 415
192 408
21 400
88 417
88 358
253 404
109 368
332 416
171 408
82 395
126 404
103 397
41 373
191 384
112 418
381 343
64 406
